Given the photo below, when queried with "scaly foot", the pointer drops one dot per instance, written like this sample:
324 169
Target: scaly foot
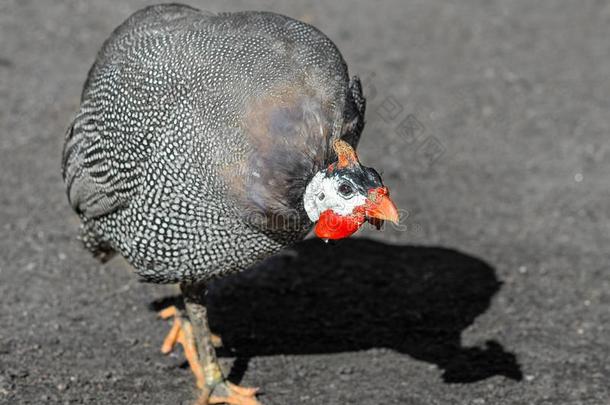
171 338
181 332
228 393
222 393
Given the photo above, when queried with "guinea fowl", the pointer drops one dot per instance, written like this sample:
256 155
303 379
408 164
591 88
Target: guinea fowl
205 143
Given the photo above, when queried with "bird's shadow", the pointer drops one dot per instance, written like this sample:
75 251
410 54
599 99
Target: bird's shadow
361 294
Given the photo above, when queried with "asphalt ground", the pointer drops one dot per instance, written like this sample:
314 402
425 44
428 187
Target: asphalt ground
490 122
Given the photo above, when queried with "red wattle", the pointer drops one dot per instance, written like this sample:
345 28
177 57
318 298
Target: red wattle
334 226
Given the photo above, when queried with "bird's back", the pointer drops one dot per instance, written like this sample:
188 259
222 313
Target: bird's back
197 131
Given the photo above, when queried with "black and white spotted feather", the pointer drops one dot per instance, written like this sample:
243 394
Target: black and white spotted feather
197 134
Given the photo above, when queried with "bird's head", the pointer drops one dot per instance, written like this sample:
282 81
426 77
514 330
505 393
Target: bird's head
346 194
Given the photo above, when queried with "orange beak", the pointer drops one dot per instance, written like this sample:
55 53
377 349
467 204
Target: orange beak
380 206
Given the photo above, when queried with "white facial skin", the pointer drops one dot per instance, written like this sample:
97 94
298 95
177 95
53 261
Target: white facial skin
323 193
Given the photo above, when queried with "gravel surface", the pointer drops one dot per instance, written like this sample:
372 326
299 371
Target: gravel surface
490 122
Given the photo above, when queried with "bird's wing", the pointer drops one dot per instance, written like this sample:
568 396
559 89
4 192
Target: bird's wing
97 181
126 104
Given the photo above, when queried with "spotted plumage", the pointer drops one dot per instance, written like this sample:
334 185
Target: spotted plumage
198 134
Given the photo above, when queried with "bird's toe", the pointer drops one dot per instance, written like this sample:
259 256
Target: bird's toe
228 393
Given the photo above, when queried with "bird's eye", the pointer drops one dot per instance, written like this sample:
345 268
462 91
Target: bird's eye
345 189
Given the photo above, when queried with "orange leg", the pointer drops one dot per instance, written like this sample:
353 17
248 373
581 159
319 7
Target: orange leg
233 395
170 312
182 333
